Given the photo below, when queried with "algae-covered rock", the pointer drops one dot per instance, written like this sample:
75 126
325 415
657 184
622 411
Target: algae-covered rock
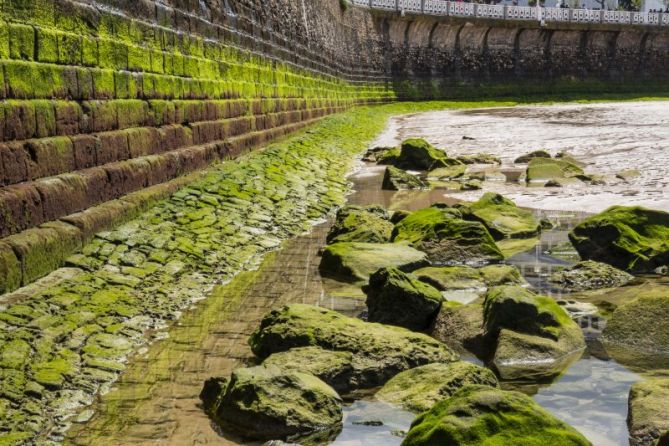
356 261
642 323
461 328
418 154
503 218
479 158
388 156
420 388
447 173
541 170
630 238
446 237
396 298
648 408
335 368
535 337
590 275
267 403
481 415
530 156
398 179
386 350
361 224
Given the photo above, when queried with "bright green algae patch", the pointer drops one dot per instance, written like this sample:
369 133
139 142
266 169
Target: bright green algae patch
61 345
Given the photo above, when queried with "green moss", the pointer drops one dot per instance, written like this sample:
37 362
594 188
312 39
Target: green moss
15 354
47 46
21 42
483 416
642 323
503 218
53 373
10 269
541 170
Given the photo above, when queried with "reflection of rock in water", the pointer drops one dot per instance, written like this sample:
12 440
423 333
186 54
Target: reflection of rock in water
592 325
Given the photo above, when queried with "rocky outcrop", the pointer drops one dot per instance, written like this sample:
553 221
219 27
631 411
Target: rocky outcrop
420 388
590 275
447 238
446 278
535 337
398 179
542 170
633 239
387 349
478 415
418 154
530 156
356 261
361 224
648 406
503 218
267 403
461 328
396 298
643 323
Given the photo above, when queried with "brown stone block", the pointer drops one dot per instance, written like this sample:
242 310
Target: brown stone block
19 120
84 148
113 147
20 208
163 168
102 115
62 195
197 157
99 218
68 115
143 141
13 163
10 269
126 177
49 156
97 187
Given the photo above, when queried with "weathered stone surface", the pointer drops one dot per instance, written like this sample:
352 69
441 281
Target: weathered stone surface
356 261
420 388
503 218
461 328
541 170
398 179
642 323
463 277
535 336
446 237
479 415
396 298
530 156
629 238
590 275
648 406
356 224
418 154
266 403
388 349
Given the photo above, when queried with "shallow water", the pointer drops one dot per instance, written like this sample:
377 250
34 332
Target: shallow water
609 137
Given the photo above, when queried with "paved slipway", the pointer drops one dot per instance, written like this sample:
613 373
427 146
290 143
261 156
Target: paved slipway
67 339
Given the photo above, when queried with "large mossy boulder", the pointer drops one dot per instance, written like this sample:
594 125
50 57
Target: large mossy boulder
460 326
268 403
448 173
591 275
484 416
420 388
542 170
503 218
334 368
397 298
369 224
418 154
446 278
447 238
381 350
642 323
633 239
535 337
648 408
355 261
398 179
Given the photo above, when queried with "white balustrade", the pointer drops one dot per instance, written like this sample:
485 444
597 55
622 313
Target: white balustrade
466 9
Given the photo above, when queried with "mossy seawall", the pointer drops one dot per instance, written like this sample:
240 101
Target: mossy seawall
106 103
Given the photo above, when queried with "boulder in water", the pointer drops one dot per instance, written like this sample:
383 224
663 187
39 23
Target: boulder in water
648 408
420 388
369 224
541 170
591 275
447 238
482 415
355 261
418 154
267 403
396 298
530 156
398 179
503 218
384 350
633 239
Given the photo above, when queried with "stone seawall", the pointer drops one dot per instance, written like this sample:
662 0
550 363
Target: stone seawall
105 98
456 57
